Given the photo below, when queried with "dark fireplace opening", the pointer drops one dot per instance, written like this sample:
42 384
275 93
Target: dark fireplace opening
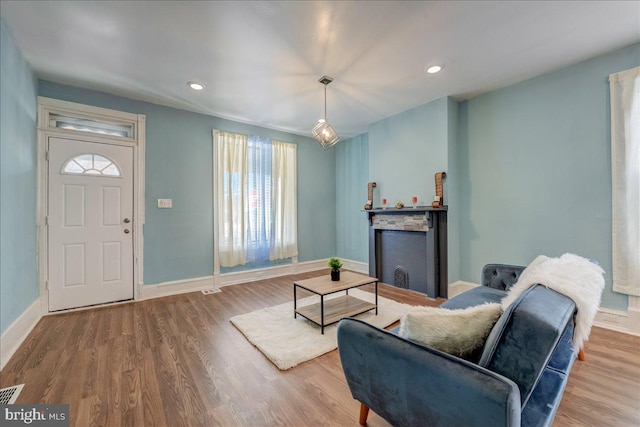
403 259
408 249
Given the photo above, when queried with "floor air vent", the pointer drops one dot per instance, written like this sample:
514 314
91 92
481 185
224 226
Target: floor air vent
10 394
211 291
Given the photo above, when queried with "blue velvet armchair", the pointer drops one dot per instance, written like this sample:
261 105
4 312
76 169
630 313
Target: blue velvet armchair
516 379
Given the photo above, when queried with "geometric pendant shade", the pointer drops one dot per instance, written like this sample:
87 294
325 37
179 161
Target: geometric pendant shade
323 132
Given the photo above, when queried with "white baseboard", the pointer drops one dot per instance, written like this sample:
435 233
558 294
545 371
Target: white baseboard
618 320
175 287
228 279
18 331
208 282
357 266
633 313
458 287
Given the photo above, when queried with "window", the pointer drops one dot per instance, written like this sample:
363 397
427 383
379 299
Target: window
89 125
90 164
256 199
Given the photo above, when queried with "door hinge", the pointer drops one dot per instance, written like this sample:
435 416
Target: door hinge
46 155
46 285
46 220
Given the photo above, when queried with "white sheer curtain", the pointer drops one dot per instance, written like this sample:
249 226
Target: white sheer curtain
231 168
259 203
256 199
625 160
284 242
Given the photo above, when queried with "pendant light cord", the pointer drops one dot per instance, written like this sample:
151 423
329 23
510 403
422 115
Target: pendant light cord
325 103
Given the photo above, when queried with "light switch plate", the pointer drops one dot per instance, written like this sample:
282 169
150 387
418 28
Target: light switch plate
165 203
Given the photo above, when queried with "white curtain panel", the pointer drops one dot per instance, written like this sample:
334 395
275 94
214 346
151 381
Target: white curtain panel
625 159
234 208
284 242
231 168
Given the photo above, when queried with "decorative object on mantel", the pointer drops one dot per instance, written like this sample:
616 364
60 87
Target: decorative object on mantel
400 204
414 200
323 132
384 203
369 204
438 201
335 265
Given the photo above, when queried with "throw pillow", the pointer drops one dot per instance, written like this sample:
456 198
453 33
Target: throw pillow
458 332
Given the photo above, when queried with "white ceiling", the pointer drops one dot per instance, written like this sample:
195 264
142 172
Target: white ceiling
260 61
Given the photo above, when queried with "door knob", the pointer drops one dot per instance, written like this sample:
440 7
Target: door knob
127 220
126 231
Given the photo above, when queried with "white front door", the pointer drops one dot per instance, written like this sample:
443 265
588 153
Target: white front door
90 214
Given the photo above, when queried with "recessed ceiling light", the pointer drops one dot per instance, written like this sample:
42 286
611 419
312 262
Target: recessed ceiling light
195 85
434 69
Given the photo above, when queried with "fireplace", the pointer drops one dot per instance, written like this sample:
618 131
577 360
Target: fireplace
408 248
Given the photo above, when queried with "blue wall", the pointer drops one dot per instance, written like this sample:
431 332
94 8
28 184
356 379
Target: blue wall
407 150
536 169
178 242
18 183
352 176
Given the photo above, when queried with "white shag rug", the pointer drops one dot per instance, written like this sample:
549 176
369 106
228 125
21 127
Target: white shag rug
288 342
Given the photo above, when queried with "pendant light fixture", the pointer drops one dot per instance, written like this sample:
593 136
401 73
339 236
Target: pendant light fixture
323 131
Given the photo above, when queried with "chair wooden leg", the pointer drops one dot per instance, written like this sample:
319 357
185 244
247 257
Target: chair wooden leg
582 356
364 413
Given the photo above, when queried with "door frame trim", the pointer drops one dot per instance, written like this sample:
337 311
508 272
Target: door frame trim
47 106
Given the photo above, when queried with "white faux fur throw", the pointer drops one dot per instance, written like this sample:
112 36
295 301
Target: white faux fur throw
571 275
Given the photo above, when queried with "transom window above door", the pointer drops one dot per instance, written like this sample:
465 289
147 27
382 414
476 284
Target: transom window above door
91 164
81 124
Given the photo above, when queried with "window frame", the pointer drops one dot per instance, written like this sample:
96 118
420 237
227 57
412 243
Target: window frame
100 174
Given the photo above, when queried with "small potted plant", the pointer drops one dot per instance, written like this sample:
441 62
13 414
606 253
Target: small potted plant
335 265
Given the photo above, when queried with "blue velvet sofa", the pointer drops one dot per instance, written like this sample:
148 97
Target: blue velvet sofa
516 379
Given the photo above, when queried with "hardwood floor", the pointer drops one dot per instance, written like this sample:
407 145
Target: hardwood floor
178 361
